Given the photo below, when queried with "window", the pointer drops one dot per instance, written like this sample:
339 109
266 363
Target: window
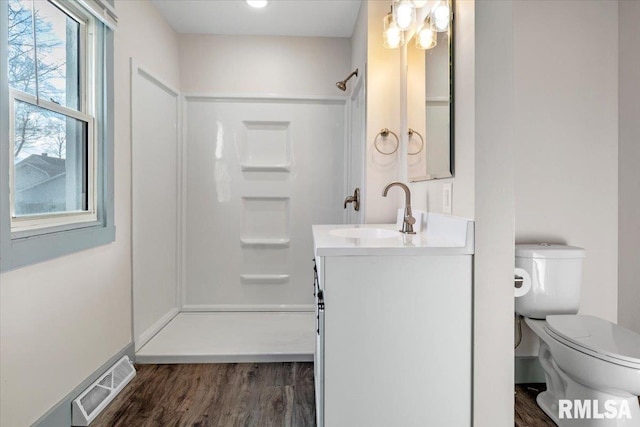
57 63
50 59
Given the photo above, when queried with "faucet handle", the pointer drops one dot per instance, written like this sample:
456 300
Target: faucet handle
355 199
410 219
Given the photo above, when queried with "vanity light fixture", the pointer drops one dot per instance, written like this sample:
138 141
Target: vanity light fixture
441 17
393 36
402 19
258 4
427 36
404 13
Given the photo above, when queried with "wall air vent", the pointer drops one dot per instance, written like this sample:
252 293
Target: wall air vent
97 396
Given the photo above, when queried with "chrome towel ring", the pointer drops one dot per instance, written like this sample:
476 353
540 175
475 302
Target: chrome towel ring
385 133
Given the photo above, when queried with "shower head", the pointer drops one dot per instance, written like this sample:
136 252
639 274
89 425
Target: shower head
342 85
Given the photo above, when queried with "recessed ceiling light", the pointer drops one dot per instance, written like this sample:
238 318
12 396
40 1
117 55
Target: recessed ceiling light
258 4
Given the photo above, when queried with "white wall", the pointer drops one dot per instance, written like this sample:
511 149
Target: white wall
629 160
290 66
427 195
494 198
383 111
566 139
61 320
359 37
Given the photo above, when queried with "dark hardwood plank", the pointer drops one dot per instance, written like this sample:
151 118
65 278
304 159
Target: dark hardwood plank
243 395
304 403
527 411
220 395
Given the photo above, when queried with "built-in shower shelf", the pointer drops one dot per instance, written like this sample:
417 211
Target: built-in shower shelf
265 168
267 279
265 242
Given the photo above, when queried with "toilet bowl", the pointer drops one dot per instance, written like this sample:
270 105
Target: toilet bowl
592 366
596 375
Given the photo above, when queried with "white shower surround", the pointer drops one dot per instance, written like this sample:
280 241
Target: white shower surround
251 251
156 243
282 287
300 70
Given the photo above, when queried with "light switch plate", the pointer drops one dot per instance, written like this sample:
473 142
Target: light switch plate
447 193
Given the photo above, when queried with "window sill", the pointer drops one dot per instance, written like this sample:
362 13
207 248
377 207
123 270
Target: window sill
34 232
27 250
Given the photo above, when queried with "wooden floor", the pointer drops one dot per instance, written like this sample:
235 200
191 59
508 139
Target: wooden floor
528 413
225 395
230 395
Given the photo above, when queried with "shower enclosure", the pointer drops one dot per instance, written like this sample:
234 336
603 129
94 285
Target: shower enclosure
228 275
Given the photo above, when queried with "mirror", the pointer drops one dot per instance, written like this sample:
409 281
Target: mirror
430 153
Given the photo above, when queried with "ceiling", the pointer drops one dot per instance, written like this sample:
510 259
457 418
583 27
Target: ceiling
303 18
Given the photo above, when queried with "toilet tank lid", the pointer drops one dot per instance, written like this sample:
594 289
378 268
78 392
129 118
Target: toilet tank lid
545 250
597 335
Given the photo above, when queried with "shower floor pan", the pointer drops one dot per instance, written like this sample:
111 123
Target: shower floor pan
224 337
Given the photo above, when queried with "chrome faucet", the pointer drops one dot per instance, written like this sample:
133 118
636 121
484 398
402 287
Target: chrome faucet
409 220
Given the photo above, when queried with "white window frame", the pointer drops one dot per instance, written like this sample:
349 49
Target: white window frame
86 113
22 249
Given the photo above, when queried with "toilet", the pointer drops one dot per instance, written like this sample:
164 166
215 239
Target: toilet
592 366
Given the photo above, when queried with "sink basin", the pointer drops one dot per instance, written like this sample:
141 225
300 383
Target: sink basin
364 233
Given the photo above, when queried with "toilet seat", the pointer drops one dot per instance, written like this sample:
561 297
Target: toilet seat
596 337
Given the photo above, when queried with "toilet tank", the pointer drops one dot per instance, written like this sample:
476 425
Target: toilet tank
556 277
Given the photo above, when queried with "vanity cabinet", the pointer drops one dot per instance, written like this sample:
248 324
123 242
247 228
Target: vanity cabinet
393 338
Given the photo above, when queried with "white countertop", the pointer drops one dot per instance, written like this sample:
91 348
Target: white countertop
443 235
